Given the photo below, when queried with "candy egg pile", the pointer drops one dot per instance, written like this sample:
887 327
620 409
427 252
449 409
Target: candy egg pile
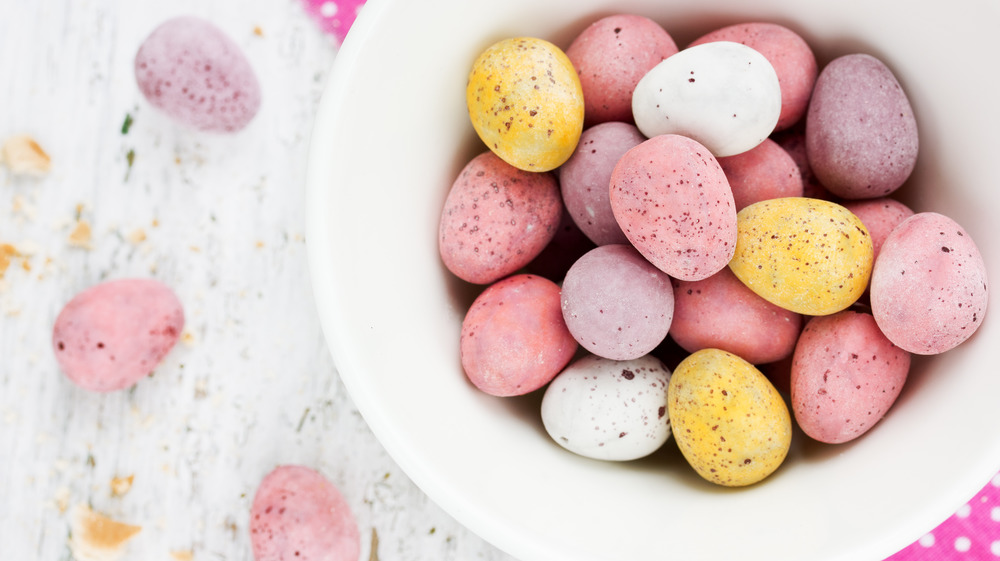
729 199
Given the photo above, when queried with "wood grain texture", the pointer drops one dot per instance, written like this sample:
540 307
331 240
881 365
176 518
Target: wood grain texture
220 219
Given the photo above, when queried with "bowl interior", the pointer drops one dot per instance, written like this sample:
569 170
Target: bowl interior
391 135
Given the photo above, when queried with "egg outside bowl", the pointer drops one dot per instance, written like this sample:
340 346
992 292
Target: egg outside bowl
392 134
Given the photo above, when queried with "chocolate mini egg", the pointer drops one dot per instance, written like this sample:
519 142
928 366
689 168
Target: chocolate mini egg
526 103
809 256
609 409
723 94
729 422
929 287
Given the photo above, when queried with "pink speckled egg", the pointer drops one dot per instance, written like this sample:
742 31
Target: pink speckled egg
585 179
929 289
514 339
845 376
672 200
788 53
611 56
297 514
761 173
616 304
193 72
496 219
721 312
111 335
880 216
861 133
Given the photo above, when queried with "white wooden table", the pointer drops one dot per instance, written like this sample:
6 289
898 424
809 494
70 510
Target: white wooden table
220 220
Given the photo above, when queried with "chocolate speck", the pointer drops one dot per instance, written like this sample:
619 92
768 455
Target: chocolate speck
628 374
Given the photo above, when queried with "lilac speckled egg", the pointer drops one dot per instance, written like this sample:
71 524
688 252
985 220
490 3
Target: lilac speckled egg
880 216
496 219
616 304
193 72
764 172
861 134
789 54
514 339
610 56
845 376
721 312
585 179
929 288
609 409
674 204
723 94
298 514
111 335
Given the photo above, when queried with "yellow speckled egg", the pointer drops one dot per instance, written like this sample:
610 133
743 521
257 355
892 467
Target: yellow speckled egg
526 103
730 423
806 255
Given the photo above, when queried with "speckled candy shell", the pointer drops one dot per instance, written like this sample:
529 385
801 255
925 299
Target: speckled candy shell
929 289
861 133
674 204
496 219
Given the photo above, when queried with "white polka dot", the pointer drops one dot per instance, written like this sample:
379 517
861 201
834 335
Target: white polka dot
995 548
995 514
963 511
962 544
927 540
996 480
328 9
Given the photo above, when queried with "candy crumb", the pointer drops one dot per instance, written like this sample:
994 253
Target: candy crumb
81 235
95 537
182 555
23 156
121 485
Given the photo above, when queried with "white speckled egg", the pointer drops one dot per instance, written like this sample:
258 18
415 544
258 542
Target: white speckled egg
725 95
609 409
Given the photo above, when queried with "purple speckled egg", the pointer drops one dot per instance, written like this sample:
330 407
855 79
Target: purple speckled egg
496 219
861 133
616 304
197 75
585 179
673 201
845 376
929 288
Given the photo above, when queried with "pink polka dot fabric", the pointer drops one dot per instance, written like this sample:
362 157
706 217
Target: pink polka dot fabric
971 534
334 16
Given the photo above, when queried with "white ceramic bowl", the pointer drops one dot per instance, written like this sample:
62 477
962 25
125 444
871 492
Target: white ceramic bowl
392 133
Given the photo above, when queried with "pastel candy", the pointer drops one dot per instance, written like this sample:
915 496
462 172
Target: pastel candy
113 334
861 134
611 55
585 179
880 216
764 172
721 312
496 219
845 376
789 54
674 204
197 75
616 304
929 289
723 94
514 339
